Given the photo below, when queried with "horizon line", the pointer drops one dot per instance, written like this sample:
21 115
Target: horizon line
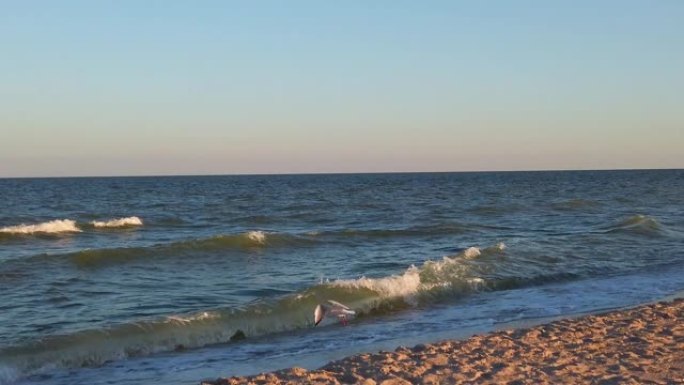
335 173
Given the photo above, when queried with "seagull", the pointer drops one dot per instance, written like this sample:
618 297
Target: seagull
333 308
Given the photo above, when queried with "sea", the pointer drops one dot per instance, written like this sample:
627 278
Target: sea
173 280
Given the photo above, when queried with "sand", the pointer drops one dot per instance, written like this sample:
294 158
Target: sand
644 345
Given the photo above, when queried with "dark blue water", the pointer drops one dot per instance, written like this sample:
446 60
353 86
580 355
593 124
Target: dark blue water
155 297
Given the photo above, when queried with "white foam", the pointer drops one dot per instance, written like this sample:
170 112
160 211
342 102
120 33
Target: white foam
449 272
405 285
257 237
51 227
119 222
472 252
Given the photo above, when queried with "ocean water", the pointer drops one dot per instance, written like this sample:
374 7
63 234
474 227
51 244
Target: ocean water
145 280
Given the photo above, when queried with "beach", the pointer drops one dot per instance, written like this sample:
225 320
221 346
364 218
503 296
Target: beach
243 192
642 345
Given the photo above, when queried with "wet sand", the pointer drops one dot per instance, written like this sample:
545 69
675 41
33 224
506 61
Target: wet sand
644 345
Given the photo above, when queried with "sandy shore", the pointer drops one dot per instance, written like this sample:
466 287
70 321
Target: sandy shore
644 345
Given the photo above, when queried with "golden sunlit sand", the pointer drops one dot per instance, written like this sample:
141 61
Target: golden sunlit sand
644 345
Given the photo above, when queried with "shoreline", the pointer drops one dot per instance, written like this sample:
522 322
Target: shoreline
644 344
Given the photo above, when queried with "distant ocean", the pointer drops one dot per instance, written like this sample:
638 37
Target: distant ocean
145 280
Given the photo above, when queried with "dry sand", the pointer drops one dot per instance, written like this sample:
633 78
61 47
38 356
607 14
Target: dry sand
644 345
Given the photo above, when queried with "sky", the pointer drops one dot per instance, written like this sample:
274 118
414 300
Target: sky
231 87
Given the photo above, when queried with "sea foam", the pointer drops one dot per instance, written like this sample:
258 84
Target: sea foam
450 272
119 222
258 237
51 227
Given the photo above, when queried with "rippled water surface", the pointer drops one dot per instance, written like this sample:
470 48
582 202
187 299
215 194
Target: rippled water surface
145 280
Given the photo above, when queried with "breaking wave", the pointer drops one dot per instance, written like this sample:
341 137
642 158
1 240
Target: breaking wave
60 226
448 273
452 276
258 237
51 227
118 223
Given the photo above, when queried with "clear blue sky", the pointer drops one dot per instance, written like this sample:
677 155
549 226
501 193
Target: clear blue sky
207 87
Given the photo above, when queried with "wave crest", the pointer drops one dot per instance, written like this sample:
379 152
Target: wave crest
258 237
50 227
118 223
450 274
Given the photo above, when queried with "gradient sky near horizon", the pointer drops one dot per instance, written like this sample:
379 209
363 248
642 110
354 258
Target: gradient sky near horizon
216 87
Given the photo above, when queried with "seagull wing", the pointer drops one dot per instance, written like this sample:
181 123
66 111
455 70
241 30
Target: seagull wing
319 313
